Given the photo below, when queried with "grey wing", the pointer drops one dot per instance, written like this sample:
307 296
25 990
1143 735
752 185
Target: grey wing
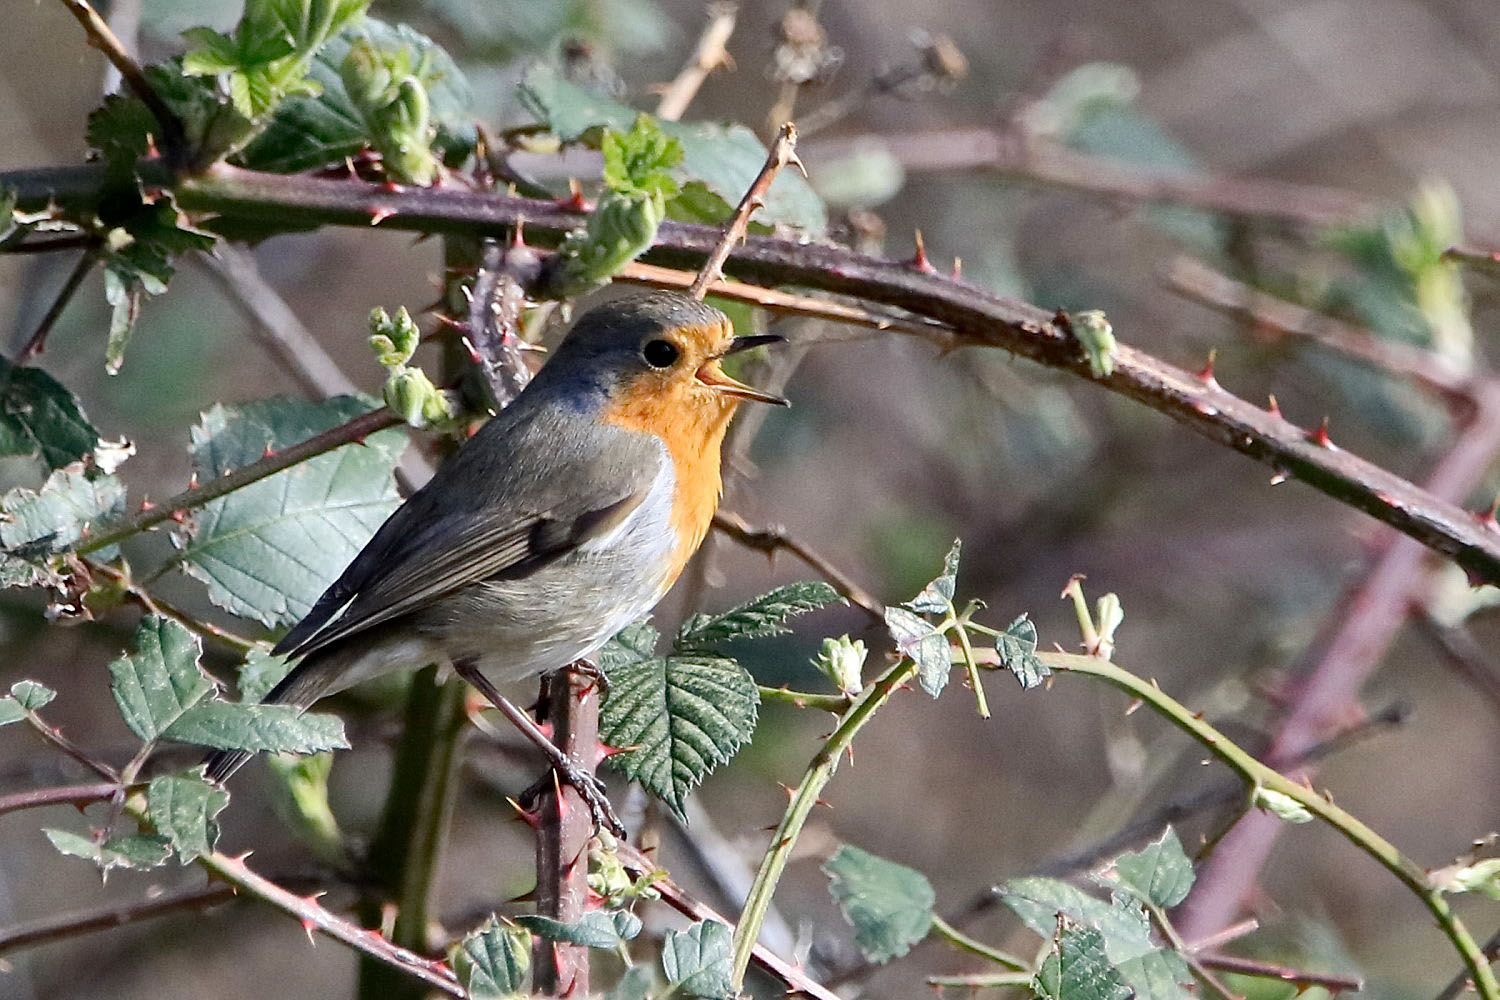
420 555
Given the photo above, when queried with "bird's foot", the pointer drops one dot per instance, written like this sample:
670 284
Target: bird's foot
588 785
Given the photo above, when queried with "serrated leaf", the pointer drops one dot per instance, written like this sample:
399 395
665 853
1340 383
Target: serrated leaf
133 851
696 961
494 962
257 728
268 550
183 809
889 905
306 133
56 516
923 645
684 715
761 616
1079 970
1160 873
1124 924
937 596
10 711
161 680
724 158
1158 975
40 418
1016 649
595 929
260 673
31 695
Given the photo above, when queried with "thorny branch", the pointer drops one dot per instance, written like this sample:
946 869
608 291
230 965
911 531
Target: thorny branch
783 152
708 55
771 539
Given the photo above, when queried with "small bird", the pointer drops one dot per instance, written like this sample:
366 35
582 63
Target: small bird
566 517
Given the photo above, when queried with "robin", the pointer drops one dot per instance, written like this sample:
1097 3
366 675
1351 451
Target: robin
565 518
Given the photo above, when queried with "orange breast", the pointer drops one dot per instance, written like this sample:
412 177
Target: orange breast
692 427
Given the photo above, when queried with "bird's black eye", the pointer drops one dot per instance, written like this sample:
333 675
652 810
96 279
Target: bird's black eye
660 353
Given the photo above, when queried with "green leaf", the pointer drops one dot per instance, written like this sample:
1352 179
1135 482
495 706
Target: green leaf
1016 648
161 680
494 962
1079 970
56 516
38 417
762 616
889 905
684 715
260 673
132 851
182 808
937 597
268 550
32 696
697 960
1124 924
1160 873
635 984
1158 975
10 711
638 162
124 298
306 133
724 158
924 645
595 929
258 728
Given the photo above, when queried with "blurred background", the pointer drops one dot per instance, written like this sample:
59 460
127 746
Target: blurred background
1363 107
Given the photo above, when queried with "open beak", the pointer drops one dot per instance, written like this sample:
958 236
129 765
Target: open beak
712 375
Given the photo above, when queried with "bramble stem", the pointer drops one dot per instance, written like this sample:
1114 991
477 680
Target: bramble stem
804 797
962 940
1253 771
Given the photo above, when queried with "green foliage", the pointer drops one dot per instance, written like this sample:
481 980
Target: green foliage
1096 336
38 525
251 546
842 661
605 929
259 674
137 850
24 697
504 30
41 419
638 163
723 159
408 391
138 261
635 984
265 58
163 693
371 78
682 715
937 596
1159 874
889 905
696 961
183 809
1016 647
494 962
1079 970
924 644
757 618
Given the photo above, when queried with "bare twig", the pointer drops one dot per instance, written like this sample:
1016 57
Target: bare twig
977 317
783 151
101 37
793 978
1301 978
75 795
154 605
38 340
708 55
1277 316
1459 983
772 538
1464 654
69 925
55 736
1481 258
350 432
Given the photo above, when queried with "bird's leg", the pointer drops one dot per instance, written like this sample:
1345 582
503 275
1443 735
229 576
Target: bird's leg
568 770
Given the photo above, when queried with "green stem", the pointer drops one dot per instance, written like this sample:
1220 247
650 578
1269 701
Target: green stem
993 980
1356 832
804 797
973 669
835 703
408 845
962 940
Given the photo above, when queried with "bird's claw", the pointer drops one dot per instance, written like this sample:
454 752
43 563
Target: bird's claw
588 785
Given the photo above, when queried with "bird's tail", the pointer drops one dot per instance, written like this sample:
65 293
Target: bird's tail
307 682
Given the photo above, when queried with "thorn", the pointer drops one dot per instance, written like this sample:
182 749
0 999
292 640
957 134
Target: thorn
147 505
575 202
379 214
1206 373
193 481
919 259
958 269
269 452
390 187
1278 477
1274 408
518 235
178 515
474 354
308 926
1135 704
445 320
1488 518
531 819
1320 436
